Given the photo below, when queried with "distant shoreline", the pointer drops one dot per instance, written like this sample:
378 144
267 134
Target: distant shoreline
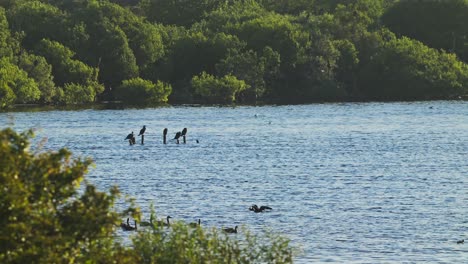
116 105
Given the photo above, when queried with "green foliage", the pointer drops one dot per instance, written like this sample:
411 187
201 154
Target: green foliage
438 24
290 40
80 93
38 69
252 69
187 245
217 90
144 39
65 69
37 20
347 64
17 87
117 61
7 96
290 7
44 218
6 40
405 69
299 51
182 12
138 90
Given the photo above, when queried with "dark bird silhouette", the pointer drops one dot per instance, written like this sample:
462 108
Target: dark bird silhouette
177 135
184 131
165 131
142 131
127 226
195 224
162 223
146 223
461 241
197 141
129 136
230 230
260 209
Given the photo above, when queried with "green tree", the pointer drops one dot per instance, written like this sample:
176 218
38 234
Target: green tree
17 87
182 12
407 69
251 68
8 44
289 7
38 69
64 67
138 90
112 53
74 93
191 53
347 65
37 20
217 90
7 96
144 39
438 24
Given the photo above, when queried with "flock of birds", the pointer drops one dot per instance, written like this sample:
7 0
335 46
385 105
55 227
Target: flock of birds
179 134
126 226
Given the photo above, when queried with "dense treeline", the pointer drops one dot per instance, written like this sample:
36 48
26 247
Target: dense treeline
224 51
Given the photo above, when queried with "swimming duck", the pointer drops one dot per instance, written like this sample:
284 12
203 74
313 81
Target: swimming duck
230 230
146 223
127 226
195 224
260 209
461 241
164 223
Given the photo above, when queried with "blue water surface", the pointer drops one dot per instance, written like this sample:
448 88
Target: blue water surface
348 182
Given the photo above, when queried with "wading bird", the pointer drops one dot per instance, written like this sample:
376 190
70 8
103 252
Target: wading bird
142 131
130 136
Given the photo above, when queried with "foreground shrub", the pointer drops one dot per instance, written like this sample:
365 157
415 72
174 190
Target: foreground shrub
43 217
185 244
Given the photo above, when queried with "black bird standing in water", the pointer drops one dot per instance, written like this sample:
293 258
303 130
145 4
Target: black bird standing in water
130 136
177 135
142 131
184 131
165 132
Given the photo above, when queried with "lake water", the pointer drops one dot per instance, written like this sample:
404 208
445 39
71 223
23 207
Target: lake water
348 182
